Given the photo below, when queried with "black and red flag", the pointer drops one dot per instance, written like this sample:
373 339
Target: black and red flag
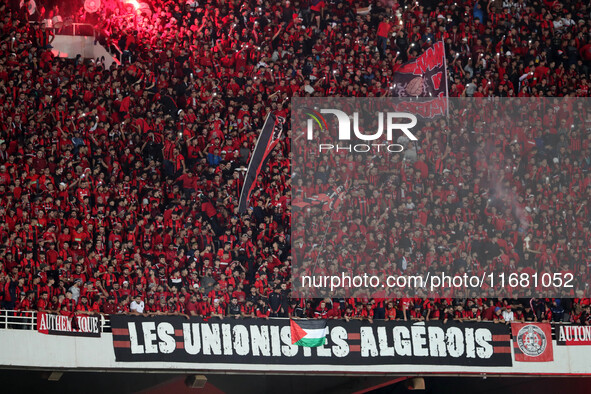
425 76
329 201
267 140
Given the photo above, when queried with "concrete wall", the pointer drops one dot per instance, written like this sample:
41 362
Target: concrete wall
71 46
30 349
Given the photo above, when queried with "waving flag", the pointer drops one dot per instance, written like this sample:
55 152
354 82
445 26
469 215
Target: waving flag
267 140
329 201
425 76
309 333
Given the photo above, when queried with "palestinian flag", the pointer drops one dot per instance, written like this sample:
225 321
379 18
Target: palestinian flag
310 333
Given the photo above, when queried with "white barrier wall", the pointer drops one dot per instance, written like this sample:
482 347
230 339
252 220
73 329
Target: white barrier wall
30 349
71 46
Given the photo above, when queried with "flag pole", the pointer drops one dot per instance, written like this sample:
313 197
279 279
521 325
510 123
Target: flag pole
446 79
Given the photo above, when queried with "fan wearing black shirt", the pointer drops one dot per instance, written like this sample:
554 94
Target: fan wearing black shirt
296 310
234 309
276 303
528 313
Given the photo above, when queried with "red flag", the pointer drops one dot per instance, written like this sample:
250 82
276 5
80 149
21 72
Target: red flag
532 342
425 76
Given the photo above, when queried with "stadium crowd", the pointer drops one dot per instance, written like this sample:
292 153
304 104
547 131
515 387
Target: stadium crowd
119 187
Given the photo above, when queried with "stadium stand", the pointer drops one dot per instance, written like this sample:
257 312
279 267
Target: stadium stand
119 187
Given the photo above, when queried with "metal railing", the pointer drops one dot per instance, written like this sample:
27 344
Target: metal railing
27 320
87 30
72 29
77 29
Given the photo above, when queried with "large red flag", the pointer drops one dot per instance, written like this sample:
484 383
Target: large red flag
532 342
425 76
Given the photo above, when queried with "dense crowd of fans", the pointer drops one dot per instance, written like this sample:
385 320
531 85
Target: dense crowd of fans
469 211
119 187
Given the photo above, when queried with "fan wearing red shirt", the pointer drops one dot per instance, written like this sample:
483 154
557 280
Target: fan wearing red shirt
110 307
263 311
367 313
336 312
384 29
416 314
321 311
24 304
217 310
248 309
349 313
203 307
390 311
43 303
83 306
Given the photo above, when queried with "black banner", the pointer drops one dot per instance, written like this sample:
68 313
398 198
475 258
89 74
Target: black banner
78 326
267 140
177 339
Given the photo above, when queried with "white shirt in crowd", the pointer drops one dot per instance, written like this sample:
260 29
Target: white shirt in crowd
137 306
508 315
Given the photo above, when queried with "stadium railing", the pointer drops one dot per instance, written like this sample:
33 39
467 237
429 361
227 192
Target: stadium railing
87 30
12 319
27 320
